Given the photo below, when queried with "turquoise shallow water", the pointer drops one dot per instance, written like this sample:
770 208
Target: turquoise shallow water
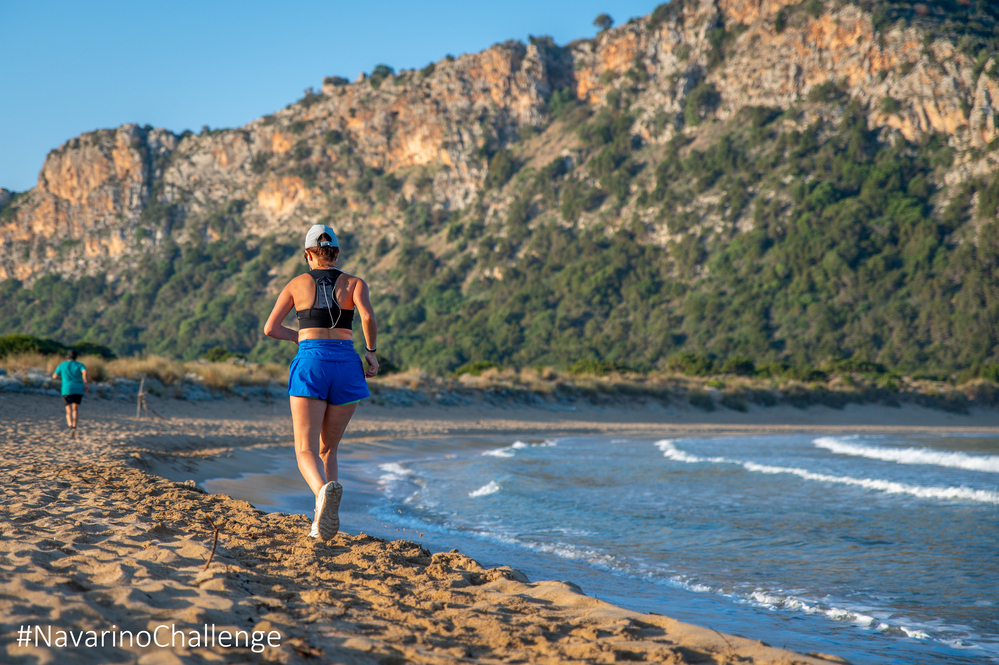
878 549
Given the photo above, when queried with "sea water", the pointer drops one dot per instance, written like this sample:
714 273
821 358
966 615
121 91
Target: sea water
880 549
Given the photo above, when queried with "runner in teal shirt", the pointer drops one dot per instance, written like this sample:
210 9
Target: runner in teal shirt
74 384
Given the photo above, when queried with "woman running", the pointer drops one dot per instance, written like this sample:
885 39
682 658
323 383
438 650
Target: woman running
326 380
74 384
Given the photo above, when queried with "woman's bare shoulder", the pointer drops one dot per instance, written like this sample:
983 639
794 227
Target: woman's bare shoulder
304 278
299 285
353 279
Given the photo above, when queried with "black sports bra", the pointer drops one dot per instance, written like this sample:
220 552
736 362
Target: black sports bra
320 315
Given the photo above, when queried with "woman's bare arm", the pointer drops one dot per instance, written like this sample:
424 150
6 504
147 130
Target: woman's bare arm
362 303
273 327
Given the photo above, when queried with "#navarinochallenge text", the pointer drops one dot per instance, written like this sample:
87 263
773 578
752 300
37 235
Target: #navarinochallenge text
162 636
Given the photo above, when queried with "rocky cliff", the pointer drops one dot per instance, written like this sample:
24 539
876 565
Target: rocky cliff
357 154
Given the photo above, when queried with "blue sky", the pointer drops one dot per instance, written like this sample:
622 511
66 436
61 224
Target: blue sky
72 67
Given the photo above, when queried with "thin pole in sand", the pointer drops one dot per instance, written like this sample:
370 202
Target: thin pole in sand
140 398
214 545
141 406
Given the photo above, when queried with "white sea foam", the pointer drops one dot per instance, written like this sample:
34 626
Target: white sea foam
670 451
490 488
393 472
886 486
915 633
988 463
508 451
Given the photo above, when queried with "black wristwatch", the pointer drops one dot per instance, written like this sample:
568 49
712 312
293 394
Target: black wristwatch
371 350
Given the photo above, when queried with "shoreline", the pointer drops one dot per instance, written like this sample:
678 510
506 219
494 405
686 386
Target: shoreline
95 536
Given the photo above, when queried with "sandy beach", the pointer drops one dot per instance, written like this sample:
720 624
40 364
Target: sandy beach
95 538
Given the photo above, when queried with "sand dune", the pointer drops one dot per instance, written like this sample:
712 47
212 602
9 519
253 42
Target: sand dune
92 541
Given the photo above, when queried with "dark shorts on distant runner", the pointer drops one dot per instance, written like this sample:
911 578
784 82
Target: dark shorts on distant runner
72 399
327 369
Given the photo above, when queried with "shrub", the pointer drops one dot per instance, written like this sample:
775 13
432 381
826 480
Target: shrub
332 137
701 101
690 364
309 97
259 163
592 367
603 22
577 198
806 374
763 397
775 370
561 100
386 366
91 349
739 365
761 116
734 402
857 366
890 105
826 92
780 22
701 400
668 11
475 368
501 169
385 185
302 150
380 73
990 373
218 354
11 344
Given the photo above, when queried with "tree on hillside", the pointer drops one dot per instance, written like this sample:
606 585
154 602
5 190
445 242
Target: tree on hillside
380 73
604 22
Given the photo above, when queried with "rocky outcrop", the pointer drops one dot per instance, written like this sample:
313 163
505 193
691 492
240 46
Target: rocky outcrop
105 197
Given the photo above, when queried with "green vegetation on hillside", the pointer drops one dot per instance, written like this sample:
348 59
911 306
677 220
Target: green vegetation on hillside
848 254
970 24
180 302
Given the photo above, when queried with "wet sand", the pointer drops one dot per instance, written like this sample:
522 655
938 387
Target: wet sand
91 538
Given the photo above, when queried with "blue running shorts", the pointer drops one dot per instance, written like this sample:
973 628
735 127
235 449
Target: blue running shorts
327 369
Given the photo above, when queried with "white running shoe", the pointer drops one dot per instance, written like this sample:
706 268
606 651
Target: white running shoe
327 521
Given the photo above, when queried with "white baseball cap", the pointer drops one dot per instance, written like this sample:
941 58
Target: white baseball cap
312 237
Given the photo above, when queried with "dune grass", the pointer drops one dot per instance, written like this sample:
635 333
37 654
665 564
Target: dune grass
215 375
730 391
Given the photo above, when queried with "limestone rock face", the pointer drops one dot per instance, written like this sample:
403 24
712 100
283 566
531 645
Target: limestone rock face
106 197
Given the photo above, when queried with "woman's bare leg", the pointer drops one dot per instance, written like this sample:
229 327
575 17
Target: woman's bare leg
307 418
334 424
69 415
76 414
